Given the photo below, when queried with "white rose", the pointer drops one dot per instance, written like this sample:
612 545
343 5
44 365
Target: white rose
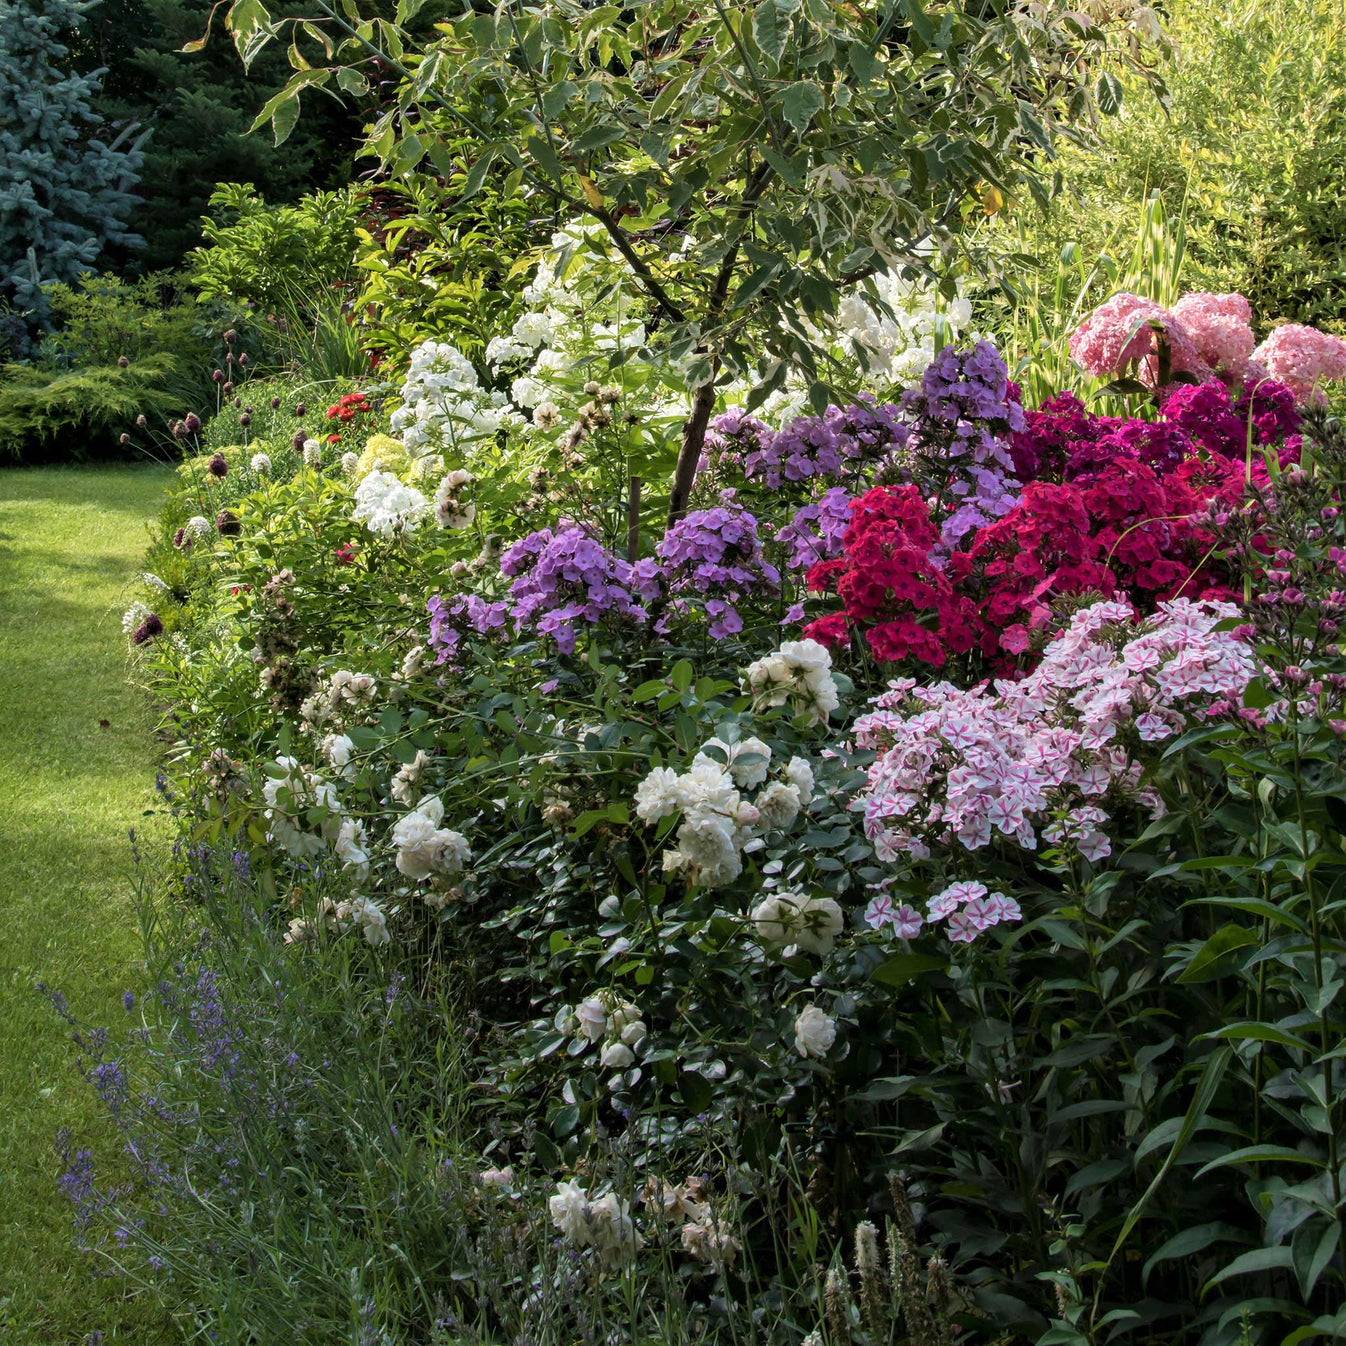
616 1056
568 1209
815 1032
800 774
593 1018
818 924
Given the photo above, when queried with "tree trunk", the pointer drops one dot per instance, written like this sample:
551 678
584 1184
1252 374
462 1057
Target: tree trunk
689 455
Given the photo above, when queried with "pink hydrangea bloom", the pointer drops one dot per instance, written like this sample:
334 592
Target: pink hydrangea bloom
1303 358
1118 333
1220 326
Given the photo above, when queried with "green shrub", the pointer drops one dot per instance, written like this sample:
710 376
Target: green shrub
1251 148
77 414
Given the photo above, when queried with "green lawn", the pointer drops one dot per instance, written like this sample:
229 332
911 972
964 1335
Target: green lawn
76 771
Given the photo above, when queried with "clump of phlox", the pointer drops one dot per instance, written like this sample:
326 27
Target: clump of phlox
444 405
1038 760
712 558
388 507
564 579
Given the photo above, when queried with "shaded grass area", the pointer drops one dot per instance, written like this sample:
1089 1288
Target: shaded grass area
76 771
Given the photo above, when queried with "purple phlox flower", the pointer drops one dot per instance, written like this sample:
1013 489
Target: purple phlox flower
815 532
714 556
565 576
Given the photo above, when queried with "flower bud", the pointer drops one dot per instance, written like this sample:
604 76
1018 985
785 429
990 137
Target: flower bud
123 362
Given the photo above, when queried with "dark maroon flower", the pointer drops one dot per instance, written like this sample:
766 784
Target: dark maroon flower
180 430
147 630
123 362
299 408
227 524
248 410
297 443
228 389
217 467
275 403
230 337
245 420
181 540
243 358
192 421
217 376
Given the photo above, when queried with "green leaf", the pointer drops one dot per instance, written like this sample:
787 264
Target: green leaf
251 24
1312 1248
771 26
1252 1154
1252 1031
920 21
1109 94
1260 1259
1190 1241
555 99
564 1121
1218 956
904 966
1212 1075
800 103
695 1091
682 675
598 136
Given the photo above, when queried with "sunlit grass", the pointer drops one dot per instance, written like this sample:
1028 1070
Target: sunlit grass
76 771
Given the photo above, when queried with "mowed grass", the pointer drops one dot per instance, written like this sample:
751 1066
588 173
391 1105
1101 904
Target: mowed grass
70 787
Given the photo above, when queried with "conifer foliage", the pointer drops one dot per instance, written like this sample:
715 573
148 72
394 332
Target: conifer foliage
65 192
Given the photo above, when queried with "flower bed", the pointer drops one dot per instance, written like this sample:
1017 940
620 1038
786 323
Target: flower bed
737 900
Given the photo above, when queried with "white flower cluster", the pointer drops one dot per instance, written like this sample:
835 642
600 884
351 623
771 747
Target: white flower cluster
603 1018
198 526
402 788
304 790
899 346
603 1223
349 462
424 848
794 924
451 510
133 616
312 454
387 506
154 582
704 1234
260 464
444 404
798 674
338 917
339 750
347 692
718 823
